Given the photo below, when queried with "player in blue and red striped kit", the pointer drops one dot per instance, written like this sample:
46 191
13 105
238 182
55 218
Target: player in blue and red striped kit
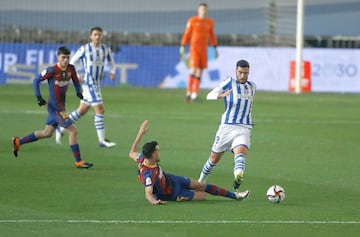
161 186
58 77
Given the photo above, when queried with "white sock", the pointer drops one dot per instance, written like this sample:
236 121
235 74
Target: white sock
100 126
193 96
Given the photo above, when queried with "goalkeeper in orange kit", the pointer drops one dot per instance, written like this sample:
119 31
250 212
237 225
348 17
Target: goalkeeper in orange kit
199 33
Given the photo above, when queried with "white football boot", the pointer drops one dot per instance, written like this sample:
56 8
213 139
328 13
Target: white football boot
242 195
107 143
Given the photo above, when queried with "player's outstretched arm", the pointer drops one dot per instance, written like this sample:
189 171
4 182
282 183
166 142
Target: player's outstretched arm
133 153
217 93
151 198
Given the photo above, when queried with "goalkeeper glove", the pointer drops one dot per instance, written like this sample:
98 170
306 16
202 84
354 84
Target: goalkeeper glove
182 51
79 94
40 100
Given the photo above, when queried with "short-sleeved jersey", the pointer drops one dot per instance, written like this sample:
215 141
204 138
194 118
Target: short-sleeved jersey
93 62
153 176
58 81
200 33
239 104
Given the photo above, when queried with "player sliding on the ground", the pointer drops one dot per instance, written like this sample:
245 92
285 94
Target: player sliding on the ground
160 186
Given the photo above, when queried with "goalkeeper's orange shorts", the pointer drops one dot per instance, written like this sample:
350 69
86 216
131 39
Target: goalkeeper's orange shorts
198 59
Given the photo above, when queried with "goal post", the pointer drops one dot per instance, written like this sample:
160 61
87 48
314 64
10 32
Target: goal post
299 46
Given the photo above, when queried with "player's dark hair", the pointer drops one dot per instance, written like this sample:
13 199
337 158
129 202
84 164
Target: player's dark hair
63 50
98 28
203 4
149 148
242 63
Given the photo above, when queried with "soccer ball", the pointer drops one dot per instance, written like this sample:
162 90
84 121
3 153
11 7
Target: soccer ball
275 194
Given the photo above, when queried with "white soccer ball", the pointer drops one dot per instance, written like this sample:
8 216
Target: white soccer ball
275 194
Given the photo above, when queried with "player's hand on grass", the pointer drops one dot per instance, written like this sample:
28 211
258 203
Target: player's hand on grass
41 101
159 202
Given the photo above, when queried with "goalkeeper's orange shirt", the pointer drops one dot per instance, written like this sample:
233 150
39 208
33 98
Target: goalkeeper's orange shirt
199 32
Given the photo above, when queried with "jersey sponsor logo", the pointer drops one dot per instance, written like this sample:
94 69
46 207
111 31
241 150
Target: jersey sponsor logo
244 96
61 83
97 62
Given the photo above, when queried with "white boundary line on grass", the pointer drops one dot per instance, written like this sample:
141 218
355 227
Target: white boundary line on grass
188 222
175 116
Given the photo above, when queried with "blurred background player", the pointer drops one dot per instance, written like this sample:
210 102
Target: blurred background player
234 132
161 186
92 56
58 78
199 32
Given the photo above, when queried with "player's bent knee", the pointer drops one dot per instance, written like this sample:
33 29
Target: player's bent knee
199 196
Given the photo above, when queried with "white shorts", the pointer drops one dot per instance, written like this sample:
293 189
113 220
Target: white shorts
92 94
229 136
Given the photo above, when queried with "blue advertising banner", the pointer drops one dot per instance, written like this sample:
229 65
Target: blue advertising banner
330 70
135 65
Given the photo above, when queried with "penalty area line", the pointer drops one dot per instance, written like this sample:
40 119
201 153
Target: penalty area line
314 222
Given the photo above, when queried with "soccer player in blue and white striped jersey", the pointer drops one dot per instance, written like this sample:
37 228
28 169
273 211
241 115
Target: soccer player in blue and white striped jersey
92 57
234 132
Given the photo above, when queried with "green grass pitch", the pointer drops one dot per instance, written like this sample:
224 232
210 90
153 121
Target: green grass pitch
307 143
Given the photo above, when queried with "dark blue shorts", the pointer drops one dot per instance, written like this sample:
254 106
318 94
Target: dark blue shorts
181 189
56 118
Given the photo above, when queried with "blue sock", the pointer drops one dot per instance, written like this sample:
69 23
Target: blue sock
215 190
29 138
76 152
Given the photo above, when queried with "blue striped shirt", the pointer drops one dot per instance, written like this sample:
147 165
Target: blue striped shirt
238 105
93 62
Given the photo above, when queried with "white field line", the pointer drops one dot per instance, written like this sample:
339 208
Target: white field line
314 222
176 116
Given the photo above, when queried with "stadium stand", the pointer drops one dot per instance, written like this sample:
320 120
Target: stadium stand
260 23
